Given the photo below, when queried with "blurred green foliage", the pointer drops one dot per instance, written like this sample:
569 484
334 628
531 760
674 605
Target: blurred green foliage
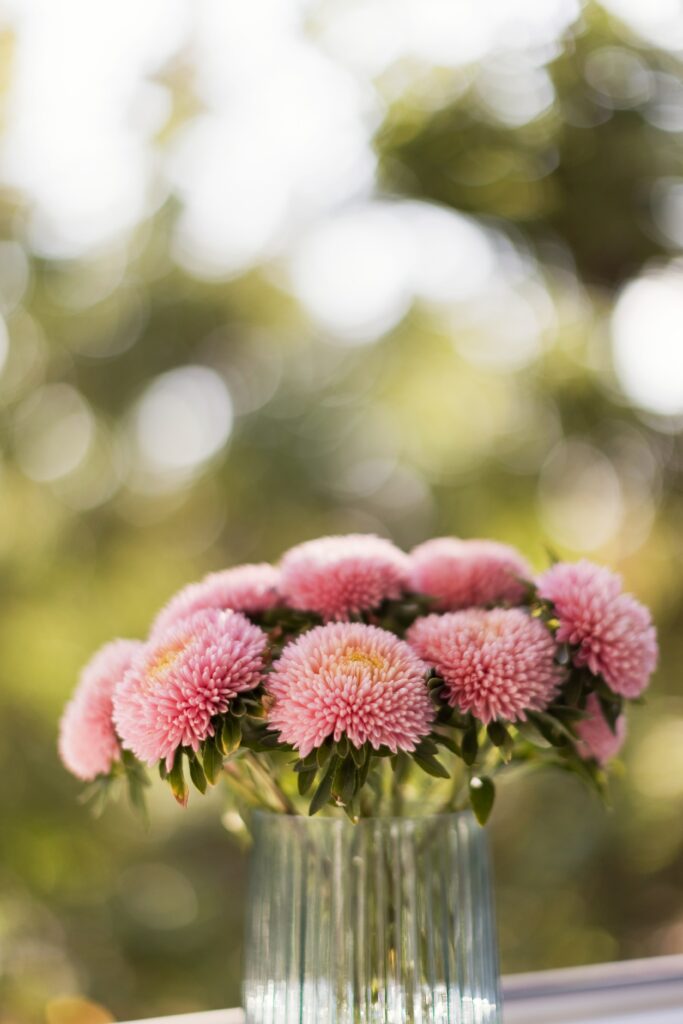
580 176
426 430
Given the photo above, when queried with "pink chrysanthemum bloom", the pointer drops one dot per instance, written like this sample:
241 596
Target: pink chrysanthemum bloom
337 577
88 744
182 679
612 631
244 588
353 680
463 573
498 664
596 739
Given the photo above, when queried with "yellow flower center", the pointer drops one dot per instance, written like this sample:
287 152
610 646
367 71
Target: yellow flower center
365 658
164 660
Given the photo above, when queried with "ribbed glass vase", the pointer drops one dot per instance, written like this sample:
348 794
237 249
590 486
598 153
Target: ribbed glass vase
389 921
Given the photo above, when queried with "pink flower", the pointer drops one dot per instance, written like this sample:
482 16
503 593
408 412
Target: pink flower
244 588
462 573
612 631
498 664
88 745
349 679
182 679
596 739
338 577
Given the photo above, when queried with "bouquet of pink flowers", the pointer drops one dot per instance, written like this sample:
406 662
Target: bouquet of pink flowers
355 676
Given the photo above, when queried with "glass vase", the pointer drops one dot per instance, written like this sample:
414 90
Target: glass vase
389 920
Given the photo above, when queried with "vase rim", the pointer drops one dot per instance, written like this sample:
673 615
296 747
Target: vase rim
263 814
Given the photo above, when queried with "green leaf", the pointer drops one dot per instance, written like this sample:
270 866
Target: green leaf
97 794
231 735
501 739
470 745
139 772
552 730
213 762
237 708
529 732
305 780
130 762
254 707
429 764
136 796
197 775
343 746
352 809
358 754
573 689
611 709
553 556
261 740
401 765
163 774
324 791
176 780
322 754
427 746
364 771
448 742
482 796
600 686
591 773
304 764
568 714
344 785
497 733
459 721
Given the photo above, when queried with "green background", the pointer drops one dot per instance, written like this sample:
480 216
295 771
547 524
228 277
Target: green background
415 433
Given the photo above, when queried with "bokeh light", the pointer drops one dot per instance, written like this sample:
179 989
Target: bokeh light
580 497
295 267
648 343
54 429
351 274
182 420
77 152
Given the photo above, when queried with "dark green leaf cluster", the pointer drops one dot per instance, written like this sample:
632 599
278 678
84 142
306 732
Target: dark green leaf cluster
126 775
455 765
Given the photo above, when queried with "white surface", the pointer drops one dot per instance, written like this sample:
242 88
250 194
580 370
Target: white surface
521 1015
632 992
210 1017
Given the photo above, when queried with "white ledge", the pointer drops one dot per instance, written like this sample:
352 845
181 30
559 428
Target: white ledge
631 992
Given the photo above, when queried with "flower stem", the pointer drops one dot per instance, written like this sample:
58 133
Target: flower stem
239 783
258 770
459 780
396 793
